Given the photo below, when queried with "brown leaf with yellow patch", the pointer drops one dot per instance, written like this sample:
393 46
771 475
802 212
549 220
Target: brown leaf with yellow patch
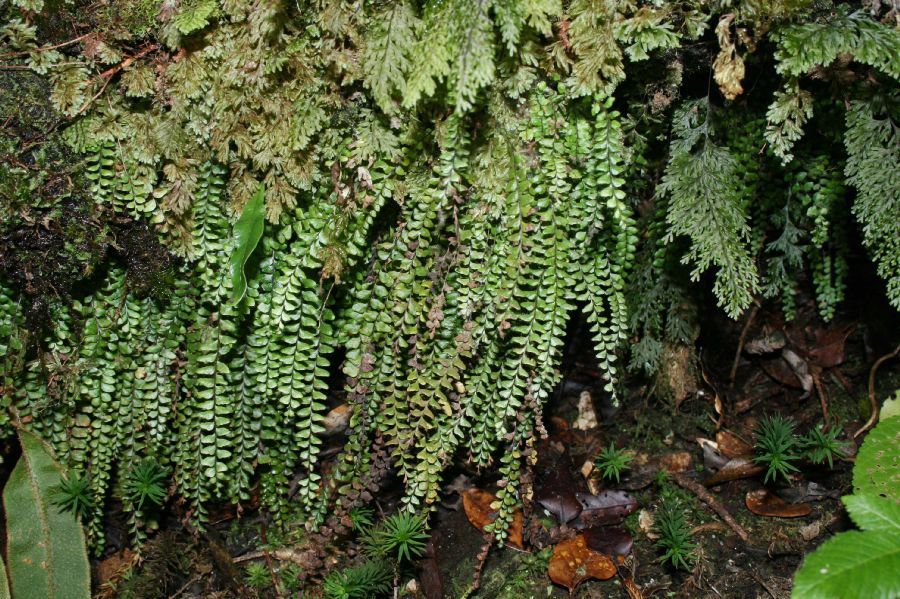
480 512
573 562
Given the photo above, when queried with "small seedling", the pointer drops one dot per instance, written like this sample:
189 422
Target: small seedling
823 446
674 536
361 518
145 483
369 579
401 536
290 575
73 494
257 576
776 447
611 462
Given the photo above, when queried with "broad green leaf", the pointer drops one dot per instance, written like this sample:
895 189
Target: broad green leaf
4 584
852 565
870 512
46 548
877 469
247 232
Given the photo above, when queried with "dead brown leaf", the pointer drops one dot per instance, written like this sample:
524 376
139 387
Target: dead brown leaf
678 461
111 569
573 562
606 507
734 469
733 446
728 68
479 511
829 347
762 502
609 540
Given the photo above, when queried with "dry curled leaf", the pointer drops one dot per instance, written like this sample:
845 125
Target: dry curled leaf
728 68
573 562
764 503
479 511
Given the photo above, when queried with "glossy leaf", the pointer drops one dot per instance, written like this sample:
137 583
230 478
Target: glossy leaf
248 231
852 565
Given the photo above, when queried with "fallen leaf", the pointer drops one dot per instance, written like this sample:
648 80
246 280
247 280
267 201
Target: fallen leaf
733 470
764 503
587 416
828 350
573 562
609 540
732 446
713 459
555 491
810 531
679 461
647 524
114 566
606 507
477 505
800 368
766 343
810 491
336 420
781 372
633 590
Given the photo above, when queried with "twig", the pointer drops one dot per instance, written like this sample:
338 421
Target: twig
737 355
268 558
282 555
482 559
704 495
46 48
763 584
108 74
873 402
820 391
184 587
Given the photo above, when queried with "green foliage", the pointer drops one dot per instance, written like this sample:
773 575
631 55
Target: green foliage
247 232
776 447
823 445
611 462
446 184
862 563
706 205
674 536
46 554
803 47
257 576
364 581
401 536
145 483
73 495
361 518
872 141
877 468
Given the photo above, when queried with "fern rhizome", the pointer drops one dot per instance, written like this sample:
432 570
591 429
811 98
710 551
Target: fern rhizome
445 186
